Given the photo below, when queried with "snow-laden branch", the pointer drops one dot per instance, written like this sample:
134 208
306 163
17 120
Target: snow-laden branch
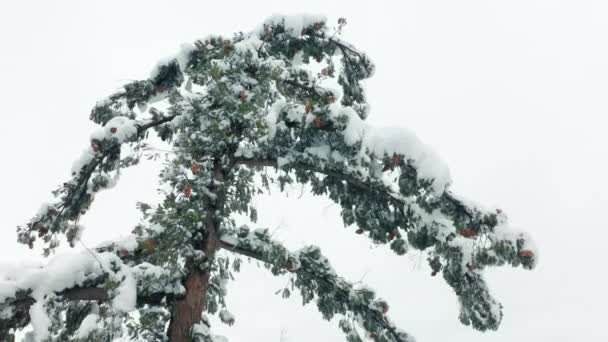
95 170
450 205
315 278
354 180
110 273
464 238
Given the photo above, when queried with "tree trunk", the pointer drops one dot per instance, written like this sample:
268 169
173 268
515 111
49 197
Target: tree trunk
188 310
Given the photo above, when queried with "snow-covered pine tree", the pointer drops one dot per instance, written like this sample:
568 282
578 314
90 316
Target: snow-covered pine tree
287 96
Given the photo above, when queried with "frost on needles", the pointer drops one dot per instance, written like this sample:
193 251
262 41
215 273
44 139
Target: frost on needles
287 96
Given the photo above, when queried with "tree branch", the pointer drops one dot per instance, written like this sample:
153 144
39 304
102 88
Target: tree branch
320 275
23 301
74 193
352 180
313 91
86 293
150 124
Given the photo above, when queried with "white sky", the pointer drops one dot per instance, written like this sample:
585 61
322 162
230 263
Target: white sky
512 94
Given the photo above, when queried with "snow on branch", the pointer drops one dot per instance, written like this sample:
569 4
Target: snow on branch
111 273
462 239
91 173
315 278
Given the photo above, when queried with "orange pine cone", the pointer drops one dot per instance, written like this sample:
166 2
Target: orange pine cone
467 232
194 168
307 108
187 191
526 253
149 245
318 122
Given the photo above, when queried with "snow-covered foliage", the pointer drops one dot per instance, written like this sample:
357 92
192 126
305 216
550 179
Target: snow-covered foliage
316 279
287 95
108 275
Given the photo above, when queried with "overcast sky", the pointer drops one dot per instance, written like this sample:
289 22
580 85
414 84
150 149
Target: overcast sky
512 94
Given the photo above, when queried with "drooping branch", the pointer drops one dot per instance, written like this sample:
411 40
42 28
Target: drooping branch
460 255
315 278
456 254
352 180
507 245
20 305
93 289
76 194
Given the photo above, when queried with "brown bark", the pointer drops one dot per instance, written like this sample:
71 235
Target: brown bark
23 301
188 310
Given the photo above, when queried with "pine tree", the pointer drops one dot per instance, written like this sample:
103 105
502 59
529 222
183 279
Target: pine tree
282 104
